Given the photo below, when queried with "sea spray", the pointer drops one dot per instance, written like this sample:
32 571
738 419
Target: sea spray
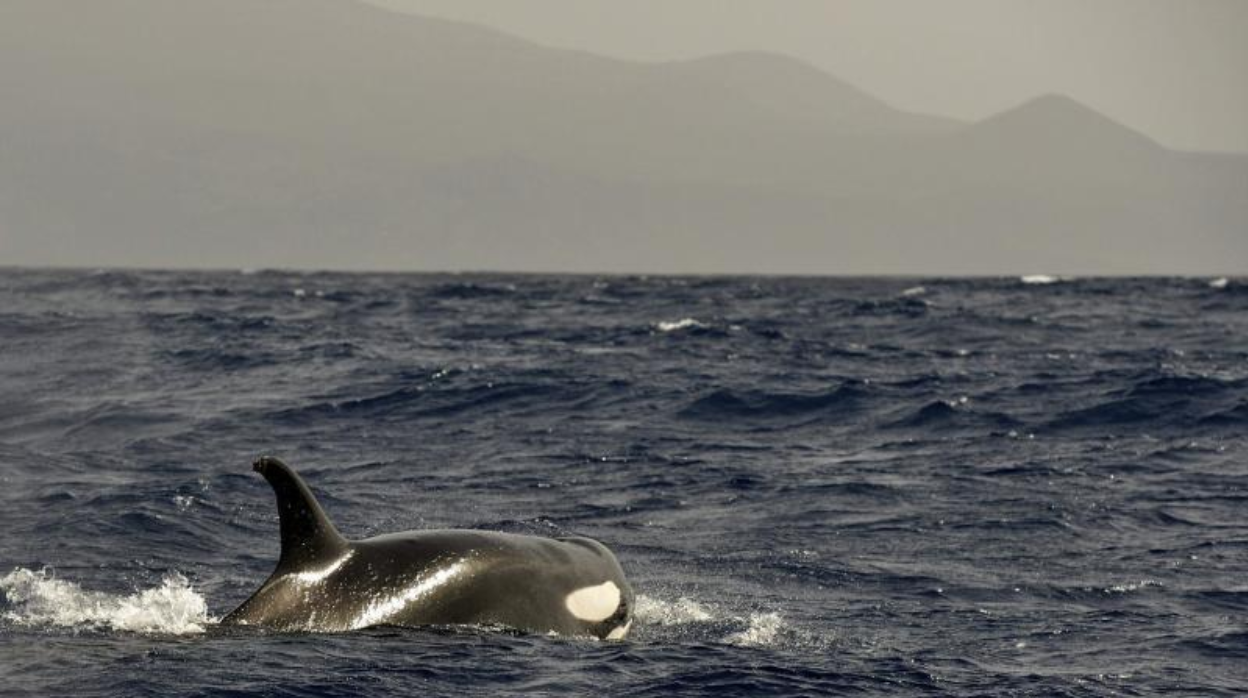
39 599
759 629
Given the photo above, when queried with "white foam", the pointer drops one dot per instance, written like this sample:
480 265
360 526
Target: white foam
915 291
1039 279
1128 587
651 611
762 631
1220 283
39 599
706 621
681 324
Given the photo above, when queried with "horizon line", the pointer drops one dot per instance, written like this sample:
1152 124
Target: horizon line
1057 277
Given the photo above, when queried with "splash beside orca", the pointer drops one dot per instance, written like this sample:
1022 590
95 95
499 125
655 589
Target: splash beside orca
326 583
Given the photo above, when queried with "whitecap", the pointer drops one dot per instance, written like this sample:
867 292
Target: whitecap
914 291
1220 283
681 324
1039 279
1128 587
39 599
762 631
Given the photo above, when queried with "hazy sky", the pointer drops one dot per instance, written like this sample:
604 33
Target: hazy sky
330 135
1175 69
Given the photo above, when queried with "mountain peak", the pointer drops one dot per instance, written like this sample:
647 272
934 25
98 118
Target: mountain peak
1060 117
1057 102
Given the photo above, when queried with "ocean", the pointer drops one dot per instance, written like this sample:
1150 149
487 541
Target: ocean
818 486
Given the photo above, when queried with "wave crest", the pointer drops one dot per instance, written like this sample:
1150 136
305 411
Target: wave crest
725 403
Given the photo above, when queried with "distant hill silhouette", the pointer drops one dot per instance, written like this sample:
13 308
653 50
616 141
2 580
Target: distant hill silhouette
1063 121
332 134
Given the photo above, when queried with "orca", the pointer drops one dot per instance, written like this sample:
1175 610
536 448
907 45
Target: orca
326 583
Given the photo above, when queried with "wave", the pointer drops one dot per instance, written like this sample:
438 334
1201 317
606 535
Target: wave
907 306
471 290
1040 279
762 405
39 599
432 400
1233 600
215 359
105 423
681 324
1169 385
1225 294
1092 593
221 323
1235 416
943 413
1224 285
1163 399
692 327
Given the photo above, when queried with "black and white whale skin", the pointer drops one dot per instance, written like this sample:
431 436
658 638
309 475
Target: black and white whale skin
326 583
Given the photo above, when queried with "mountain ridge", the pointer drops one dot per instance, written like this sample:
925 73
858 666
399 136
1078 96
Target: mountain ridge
262 133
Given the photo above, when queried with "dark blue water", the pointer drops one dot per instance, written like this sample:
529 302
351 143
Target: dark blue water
873 487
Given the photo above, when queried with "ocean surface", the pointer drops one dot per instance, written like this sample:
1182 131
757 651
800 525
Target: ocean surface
867 487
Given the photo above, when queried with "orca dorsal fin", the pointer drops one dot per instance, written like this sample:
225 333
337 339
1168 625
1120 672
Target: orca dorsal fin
308 535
